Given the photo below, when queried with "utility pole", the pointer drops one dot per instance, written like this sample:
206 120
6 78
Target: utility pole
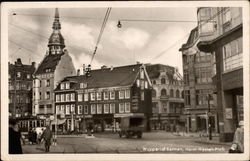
209 118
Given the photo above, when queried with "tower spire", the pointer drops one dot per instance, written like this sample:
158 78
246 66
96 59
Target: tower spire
56 40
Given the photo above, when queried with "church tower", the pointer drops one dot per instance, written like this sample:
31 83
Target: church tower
56 65
56 40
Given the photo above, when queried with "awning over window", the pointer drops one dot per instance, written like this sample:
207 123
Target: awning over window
59 121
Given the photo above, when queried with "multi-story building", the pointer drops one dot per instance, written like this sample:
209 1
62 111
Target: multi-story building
103 97
56 65
167 97
226 46
198 85
20 89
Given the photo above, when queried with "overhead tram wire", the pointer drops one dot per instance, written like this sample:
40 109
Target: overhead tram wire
101 32
175 43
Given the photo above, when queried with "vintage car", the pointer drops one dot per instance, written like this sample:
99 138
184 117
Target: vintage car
132 126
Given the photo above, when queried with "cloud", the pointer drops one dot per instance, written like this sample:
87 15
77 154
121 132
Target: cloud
83 58
132 38
81 36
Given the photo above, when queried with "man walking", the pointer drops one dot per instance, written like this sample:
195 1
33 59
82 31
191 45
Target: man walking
47 135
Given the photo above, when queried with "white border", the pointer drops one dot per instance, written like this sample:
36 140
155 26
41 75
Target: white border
4 82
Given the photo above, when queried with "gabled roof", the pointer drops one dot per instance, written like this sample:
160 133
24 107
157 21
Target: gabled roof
49 62
108 77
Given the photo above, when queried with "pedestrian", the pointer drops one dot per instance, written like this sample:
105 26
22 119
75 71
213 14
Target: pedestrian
15 146
39 137
30 136
234 148
34 136
239 137
47 135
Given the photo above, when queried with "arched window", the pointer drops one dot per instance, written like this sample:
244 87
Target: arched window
163 81
171 93
177 93
153 93
163 92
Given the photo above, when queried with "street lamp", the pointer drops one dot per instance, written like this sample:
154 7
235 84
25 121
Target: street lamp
209 117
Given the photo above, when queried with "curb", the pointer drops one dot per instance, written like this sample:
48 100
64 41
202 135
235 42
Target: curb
214 143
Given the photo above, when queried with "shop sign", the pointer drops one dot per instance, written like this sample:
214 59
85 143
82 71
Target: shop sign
88 116
122 115
228 113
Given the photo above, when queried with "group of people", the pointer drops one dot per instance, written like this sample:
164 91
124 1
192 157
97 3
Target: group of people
15 137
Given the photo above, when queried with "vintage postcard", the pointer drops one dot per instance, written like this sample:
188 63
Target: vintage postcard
125 80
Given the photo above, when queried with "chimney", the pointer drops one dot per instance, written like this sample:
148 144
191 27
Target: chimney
83 69
78 72
33 64
18 62
137 62
104 67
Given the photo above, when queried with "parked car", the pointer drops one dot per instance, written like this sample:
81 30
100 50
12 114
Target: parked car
132 126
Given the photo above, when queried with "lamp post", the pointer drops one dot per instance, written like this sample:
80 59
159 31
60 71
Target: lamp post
209 117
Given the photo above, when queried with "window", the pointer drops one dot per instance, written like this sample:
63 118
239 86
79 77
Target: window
112 108
99 96
187 97
40 83
142 96
121 94
47 83
79 109
171 93
127 93
93 109
28 76
186 77
153 93
99 109
106 108
86 110
73 97
203 74
62 109
142 74
72 109
105 95
83 85
207 28
58 98
79 97
67 86
163 92
67 97
92 96
154 82
163 81
62 98
86 96
62 85
112 95
47 95
40 95
67 109
177 93
138 83
201 96
121 107
146 84
127 107
57 109
18 74
142 84
232 55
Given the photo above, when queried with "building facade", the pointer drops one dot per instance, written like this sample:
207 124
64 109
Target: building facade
227 49
20 89
167 97
56 65
103 97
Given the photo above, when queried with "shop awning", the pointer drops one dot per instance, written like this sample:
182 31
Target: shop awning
59 121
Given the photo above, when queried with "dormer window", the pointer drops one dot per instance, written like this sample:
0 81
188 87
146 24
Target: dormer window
67 85
48 70
62 86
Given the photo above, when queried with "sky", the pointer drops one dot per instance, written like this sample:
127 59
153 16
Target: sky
136 41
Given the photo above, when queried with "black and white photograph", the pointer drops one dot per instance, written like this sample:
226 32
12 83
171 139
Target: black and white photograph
109 81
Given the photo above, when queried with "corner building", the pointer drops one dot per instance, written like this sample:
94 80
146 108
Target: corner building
55 65
227 48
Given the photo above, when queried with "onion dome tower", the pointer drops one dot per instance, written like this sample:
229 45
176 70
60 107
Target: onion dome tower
56 40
